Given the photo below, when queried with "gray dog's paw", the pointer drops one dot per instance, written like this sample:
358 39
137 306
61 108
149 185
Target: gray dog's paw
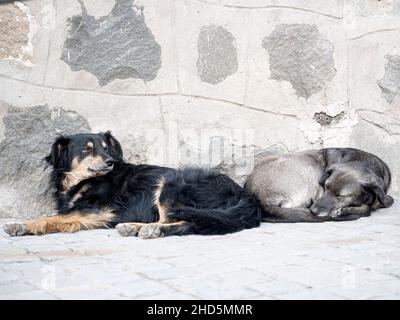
15 229
336 213
150 231
127 229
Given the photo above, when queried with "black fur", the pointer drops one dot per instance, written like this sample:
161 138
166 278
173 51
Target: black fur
209 201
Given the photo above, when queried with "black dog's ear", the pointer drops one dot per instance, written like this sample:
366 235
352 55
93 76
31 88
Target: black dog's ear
385 201
114 146
325 176
58 157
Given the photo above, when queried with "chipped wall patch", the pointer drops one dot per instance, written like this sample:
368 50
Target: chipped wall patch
325 119
298 53
28 136
217 54
115 46
17 29
390 83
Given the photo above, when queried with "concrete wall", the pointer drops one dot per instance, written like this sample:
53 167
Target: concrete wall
209 82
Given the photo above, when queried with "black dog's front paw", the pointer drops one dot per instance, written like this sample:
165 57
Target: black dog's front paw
15 229
128 229
150 231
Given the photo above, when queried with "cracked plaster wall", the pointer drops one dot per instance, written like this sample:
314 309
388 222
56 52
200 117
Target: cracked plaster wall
210 82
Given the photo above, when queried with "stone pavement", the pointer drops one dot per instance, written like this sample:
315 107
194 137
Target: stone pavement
348 260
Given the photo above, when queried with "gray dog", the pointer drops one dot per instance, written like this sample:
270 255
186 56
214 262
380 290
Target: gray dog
320 185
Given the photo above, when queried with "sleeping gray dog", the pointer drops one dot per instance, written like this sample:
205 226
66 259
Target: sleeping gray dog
320 185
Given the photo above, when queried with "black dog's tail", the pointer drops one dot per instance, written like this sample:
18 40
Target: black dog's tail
245 214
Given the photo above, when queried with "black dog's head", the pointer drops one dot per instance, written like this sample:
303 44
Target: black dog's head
85 155
350 185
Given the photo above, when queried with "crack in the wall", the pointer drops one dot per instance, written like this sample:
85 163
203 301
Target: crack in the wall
175 49
385 127
272 7
50 44
372 32
166 94
390 133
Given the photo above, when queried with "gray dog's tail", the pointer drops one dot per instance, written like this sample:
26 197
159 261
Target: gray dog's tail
291 215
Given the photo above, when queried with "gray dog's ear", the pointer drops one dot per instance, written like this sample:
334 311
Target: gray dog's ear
325 176
384 199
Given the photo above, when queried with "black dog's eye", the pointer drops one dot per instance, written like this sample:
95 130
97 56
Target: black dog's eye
104 145
86 149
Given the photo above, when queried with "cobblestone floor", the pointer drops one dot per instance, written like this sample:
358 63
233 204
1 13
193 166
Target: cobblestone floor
348 260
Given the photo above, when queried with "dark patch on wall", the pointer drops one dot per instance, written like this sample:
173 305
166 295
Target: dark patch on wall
29 134
325 119
116 46
298 53
390 83
217 54
14 26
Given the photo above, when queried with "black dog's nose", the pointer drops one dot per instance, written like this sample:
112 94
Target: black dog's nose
110 162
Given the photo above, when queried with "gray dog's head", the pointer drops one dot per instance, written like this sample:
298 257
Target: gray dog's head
350 185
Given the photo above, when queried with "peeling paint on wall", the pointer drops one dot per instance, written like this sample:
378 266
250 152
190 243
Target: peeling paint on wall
298 53
116 46
29 134
217 54
390 83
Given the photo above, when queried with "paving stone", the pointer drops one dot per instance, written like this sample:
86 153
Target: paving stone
208 288
6 277
11 289
167 295
277 287
85 292
309 294
143 288
28 295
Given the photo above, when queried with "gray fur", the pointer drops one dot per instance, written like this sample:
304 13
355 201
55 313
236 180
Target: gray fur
320 185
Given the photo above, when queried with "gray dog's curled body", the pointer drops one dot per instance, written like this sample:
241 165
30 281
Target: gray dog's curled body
320 185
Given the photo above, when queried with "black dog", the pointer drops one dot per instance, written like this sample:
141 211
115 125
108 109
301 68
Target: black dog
95 188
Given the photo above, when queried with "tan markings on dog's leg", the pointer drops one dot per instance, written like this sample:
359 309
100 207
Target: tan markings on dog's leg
70 222
158 230
129 228
162 208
